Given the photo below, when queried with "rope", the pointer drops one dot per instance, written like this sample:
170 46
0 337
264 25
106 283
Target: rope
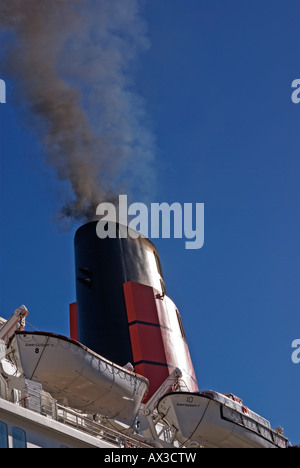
32 326
189 438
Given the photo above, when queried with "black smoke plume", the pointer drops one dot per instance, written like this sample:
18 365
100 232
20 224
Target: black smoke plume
72 62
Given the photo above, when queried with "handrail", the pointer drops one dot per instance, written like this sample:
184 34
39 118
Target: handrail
43 404
97 429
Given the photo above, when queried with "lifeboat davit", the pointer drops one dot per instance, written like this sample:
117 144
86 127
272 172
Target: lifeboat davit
76 376
214 420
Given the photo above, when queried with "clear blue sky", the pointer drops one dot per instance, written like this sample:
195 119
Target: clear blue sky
216 84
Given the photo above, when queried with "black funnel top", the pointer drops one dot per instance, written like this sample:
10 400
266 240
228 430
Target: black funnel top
102 267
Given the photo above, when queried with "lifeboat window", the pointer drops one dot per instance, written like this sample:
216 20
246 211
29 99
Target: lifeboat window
231 415
278 441
3 435
265 433
19 438
250 424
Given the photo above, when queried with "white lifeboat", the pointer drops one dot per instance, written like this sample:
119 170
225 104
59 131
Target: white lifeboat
214 420
78 377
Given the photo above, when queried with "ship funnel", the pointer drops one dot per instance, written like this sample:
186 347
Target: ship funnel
122 311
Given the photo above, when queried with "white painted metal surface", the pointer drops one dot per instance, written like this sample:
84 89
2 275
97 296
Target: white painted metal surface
77 377
214 421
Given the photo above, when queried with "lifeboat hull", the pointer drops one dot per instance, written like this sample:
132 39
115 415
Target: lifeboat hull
76 376
210 423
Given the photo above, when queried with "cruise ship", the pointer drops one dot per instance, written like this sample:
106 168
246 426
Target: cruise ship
124 377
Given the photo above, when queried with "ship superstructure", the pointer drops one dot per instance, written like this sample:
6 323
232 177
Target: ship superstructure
124 377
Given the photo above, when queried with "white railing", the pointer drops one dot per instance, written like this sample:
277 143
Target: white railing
42 403
87 424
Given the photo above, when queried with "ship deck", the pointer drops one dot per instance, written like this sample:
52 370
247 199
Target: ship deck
47 416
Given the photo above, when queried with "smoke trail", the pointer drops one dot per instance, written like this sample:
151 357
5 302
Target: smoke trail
72 60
